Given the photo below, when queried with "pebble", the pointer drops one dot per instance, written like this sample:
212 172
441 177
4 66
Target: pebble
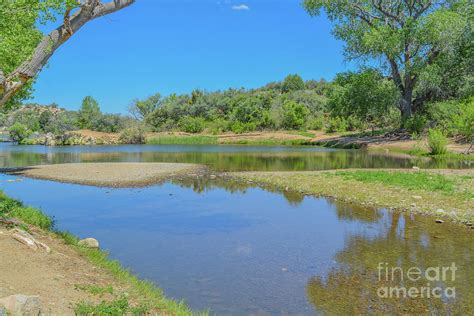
417 197
439 221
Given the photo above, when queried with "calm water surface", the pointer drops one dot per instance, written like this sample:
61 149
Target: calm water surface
220 158
239 250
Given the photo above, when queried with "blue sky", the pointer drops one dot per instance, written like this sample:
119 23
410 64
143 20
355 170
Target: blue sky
171 46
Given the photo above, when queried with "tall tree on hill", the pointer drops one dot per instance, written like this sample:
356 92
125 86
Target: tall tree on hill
24 50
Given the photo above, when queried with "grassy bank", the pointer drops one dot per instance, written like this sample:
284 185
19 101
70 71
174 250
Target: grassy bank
128 295
446 194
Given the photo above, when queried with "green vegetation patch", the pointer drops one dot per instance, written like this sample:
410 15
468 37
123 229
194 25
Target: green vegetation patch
182 140
15 209
409 180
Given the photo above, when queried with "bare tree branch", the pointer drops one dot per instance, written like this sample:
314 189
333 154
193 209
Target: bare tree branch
88 11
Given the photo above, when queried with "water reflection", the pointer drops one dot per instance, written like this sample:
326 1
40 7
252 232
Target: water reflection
220 158
237 249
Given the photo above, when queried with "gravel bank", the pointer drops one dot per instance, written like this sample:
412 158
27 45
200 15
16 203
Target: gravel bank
109 174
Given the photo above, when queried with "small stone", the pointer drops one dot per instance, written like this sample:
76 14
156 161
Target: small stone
469 224
20 304
440 211
89 243
416 168
413 205
417 197
439 221
212 176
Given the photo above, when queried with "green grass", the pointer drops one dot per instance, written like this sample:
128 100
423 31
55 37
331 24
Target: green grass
409 180
11 208
182 140
95 289
268 142
148 296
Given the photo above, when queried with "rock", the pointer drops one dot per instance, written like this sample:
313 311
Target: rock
20 304
417 197
469 224
439 221
440 211
413 205
28 240
89 243
416 168
212 176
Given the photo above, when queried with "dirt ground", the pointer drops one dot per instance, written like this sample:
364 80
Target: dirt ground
52 276
108 174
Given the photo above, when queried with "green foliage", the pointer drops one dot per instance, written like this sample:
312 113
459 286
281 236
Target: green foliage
190 124
294 115
141 109
95 289
15 209
19 132
437 142
182 140
364 96
89 113
19 33
315 123
336 124
425 45
133 135
415 124
292 83
454 117
239 127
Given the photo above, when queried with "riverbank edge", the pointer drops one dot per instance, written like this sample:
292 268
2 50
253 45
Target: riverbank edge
143 293
280 181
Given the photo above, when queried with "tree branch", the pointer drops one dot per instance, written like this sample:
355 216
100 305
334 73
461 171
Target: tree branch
88 11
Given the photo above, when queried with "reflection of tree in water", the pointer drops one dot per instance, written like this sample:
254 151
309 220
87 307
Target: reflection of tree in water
352 287
204 184
221 161
354 212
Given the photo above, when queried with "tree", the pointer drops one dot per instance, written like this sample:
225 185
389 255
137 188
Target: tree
89 113
411 37
292 83
24 50
141 109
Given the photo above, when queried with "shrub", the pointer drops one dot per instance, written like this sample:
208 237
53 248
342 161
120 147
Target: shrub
415 124
133 135
218 126
19 132
191 124
293 115
336 124
239 127
315 123
437 142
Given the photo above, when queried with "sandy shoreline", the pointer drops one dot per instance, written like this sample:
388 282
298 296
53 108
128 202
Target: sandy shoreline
108 174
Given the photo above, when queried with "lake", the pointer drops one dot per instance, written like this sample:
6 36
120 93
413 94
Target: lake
237 249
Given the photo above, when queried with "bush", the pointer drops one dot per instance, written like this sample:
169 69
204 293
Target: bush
133 135
293 115
437 142
336 124
218 126
415 124
239 127
19 132
315 123
191 124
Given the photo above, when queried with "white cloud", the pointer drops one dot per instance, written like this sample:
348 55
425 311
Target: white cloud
240 7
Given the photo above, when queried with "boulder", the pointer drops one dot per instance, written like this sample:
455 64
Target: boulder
89 243
20 304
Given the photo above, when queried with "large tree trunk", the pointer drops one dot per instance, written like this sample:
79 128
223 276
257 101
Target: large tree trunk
406 105
87 11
